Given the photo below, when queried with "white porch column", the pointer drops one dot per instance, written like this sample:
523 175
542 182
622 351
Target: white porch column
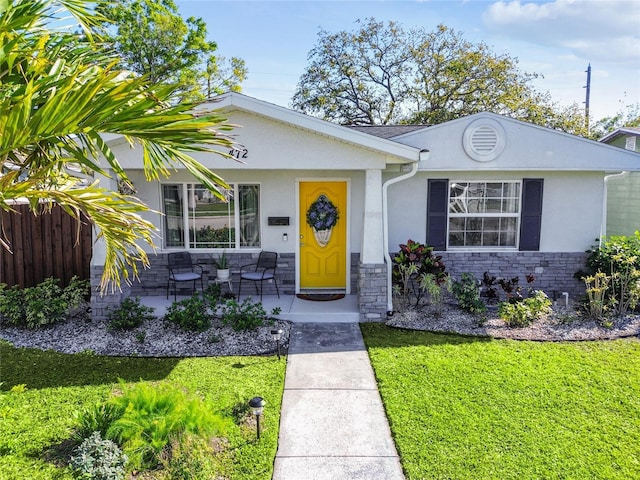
101 304
371 251
99 247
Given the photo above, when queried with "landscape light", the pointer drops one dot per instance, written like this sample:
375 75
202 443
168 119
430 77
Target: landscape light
277 335
257 406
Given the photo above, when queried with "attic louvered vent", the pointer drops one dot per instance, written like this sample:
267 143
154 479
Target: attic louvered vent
484 140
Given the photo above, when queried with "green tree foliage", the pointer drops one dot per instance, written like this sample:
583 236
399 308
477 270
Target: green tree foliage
59 95
153 39
381 74
627 117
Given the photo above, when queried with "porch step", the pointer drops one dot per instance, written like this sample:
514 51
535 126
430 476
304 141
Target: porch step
320 291
344 310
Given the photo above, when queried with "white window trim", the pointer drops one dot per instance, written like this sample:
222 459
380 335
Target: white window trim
236 214
493 248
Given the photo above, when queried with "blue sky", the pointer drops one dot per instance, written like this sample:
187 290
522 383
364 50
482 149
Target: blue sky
557 39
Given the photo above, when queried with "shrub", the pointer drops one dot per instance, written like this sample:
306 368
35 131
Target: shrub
247 315
97 419
526 311
596 288
12 307
190 314
212 295
467 294
403 288
189 457
144 419
153 415
129 314
619 258
410 265
489 290
45 304
436 290
99 459
510 287
76 292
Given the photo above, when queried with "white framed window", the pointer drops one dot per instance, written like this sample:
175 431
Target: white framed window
484 214
195 218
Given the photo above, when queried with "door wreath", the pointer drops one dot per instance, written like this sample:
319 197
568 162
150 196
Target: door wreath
322 216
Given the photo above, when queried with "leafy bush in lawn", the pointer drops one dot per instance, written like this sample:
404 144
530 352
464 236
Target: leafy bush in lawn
247 315
145 418
45 304
129 314
97 418
99 459
189 457
523 313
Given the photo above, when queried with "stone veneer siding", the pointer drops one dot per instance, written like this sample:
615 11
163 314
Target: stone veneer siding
553 270
101 304
153 281
372 292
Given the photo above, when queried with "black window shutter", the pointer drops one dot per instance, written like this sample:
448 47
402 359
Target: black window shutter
531 217
437 203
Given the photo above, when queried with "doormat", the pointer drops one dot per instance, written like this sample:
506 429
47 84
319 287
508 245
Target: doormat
320 297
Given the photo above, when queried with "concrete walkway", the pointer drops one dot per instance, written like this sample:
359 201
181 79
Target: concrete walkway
332 425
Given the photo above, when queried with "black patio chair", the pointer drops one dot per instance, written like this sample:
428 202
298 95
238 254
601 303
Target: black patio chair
181 269
263 270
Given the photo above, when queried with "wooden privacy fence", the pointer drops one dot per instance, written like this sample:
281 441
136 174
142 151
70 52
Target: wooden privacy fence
43 246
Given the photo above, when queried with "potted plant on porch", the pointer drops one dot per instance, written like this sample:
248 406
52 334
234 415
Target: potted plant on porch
222 265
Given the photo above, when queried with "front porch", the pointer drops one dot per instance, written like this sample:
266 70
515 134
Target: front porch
294 309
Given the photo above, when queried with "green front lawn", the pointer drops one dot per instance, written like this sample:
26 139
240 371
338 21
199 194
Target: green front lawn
463 407
35 422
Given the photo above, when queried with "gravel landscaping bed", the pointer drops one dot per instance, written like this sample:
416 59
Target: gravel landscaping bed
562 325
155 338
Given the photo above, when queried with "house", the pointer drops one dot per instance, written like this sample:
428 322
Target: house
623 191
488 192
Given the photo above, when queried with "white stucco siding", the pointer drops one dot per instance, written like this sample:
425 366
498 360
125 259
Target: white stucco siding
274 145
571 216
571 211
277 199
407 210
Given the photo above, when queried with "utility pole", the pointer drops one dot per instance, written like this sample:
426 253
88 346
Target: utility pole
586 103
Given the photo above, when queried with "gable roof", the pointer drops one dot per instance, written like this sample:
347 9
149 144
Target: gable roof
386 131
619 132
397 152
524 146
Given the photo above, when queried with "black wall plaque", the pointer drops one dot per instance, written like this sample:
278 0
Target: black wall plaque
278 221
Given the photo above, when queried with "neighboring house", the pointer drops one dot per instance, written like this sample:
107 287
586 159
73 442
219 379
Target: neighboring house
488 192
623 191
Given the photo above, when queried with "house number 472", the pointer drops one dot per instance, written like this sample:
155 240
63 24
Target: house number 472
239 153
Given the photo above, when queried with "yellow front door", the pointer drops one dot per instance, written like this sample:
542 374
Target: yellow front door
323 251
